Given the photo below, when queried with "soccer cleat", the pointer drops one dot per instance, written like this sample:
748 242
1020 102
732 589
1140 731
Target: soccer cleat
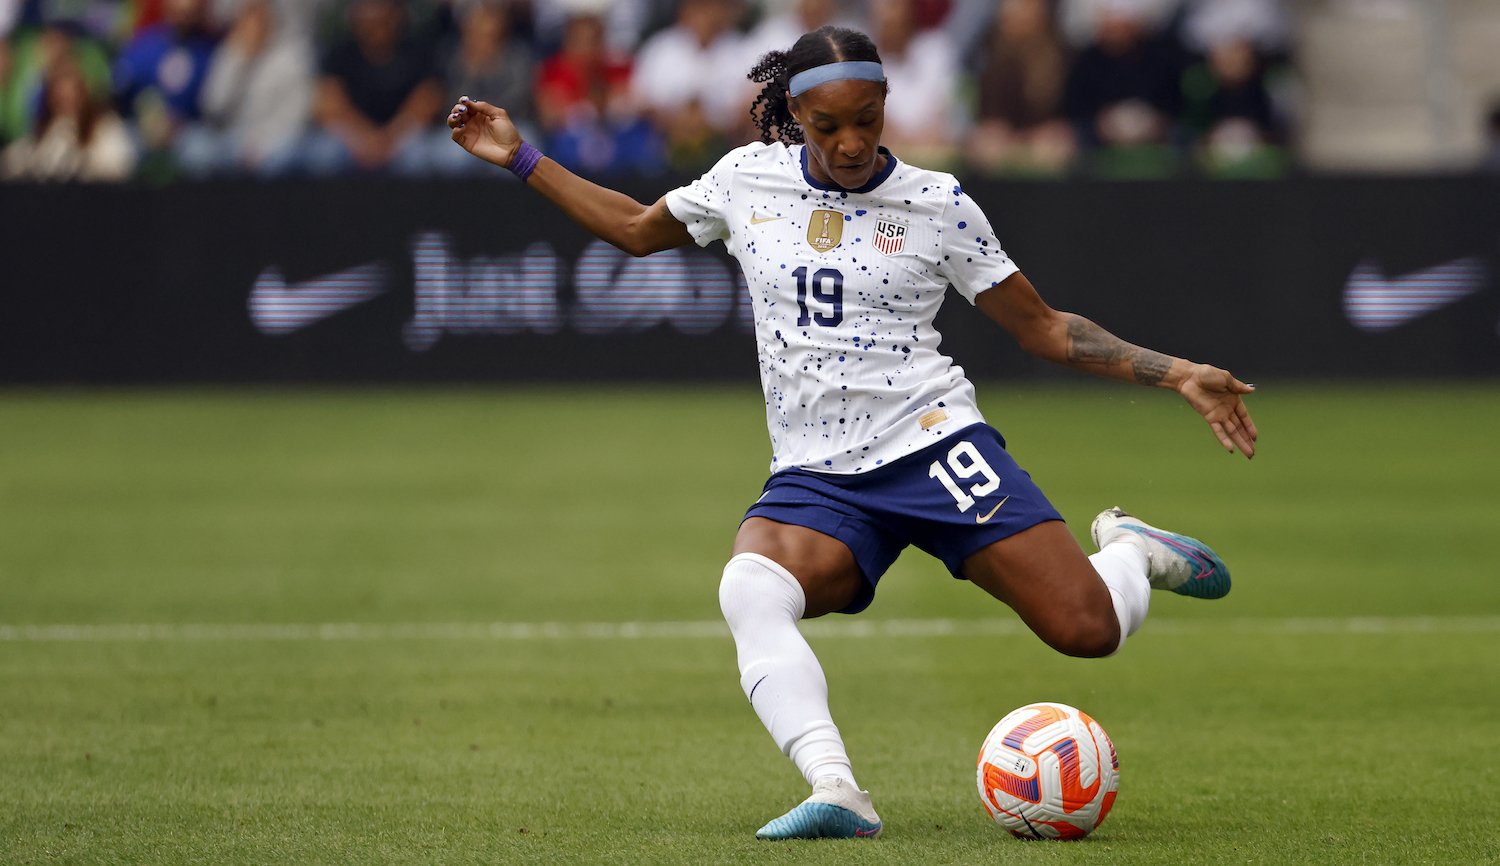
1184 565
836 810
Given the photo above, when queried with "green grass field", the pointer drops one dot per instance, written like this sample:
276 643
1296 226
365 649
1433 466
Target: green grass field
1264 728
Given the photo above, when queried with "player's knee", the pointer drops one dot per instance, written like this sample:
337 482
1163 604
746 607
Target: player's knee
1087 634
734 588
753 584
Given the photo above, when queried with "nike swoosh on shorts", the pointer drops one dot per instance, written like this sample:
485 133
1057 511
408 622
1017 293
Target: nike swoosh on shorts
986 518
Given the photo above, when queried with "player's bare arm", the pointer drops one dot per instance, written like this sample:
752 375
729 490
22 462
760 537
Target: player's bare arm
487 132
1076 342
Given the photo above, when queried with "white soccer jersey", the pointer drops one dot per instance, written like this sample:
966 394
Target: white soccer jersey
845 285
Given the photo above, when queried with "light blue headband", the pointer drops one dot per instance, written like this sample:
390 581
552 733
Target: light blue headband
853 70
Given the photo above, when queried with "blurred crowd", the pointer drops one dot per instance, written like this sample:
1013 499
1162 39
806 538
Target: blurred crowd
106 90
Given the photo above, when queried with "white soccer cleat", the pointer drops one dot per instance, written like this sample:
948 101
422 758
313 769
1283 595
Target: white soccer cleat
1181 564
836 810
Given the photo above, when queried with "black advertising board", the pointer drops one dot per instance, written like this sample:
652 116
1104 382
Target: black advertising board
384 281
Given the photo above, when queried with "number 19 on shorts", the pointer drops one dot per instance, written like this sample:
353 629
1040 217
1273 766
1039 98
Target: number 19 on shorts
966 462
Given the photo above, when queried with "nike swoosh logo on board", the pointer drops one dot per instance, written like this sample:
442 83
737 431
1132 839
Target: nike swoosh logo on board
756 219
986 518
278 308
1374 303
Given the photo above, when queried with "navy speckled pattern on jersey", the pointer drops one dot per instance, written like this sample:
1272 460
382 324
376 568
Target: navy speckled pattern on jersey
845 286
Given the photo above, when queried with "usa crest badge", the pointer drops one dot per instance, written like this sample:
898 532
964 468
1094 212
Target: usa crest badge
890 236
825 230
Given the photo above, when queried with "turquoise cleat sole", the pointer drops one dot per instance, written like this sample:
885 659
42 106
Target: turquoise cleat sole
819 821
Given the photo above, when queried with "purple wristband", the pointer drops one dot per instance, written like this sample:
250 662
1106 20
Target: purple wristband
525 160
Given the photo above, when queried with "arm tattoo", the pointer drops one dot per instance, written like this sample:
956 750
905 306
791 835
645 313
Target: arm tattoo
1090 344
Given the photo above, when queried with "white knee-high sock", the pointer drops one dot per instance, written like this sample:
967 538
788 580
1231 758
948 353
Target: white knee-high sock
1123 567
780 675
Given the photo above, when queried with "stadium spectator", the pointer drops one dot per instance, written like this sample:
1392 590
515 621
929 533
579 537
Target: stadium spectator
781 32
149 13
921 118
694 141
1239 98
1020 127
77 136
582 68
379 93
584 102
108 21
304 20
1136 103
970 27
159 75
490 64
690 76
1079 20
256 99
1229 110
927 14
1123 94
624 21
1263 23
28 58
1490 162
437 22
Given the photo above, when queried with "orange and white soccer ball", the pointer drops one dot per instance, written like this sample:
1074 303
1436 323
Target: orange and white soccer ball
1048 771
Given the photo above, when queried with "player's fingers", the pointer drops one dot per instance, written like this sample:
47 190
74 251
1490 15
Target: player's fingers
476 107
1247 446
1239 387
1223 439
1245 421
1238 436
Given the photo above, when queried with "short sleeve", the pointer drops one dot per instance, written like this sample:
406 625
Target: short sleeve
972 258
703 205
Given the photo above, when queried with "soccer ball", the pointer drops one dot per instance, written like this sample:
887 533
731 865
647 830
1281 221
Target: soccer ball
1048 771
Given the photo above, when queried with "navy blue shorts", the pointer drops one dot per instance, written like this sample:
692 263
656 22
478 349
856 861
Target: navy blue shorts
950 499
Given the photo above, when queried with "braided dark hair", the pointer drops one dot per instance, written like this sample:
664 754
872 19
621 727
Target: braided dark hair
771 113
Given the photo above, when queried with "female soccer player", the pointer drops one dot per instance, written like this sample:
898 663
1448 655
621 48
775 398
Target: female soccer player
877 441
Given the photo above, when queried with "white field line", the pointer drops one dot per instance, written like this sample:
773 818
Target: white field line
831 628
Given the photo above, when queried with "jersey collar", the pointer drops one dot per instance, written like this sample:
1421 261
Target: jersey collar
877 180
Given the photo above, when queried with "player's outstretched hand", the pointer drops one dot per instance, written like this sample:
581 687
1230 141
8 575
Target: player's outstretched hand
1216 396
485 131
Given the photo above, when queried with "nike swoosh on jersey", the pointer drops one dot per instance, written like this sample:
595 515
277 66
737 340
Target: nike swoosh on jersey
756 219
986 518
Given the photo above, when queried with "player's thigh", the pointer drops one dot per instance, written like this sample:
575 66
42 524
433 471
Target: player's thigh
823 565
1045 577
